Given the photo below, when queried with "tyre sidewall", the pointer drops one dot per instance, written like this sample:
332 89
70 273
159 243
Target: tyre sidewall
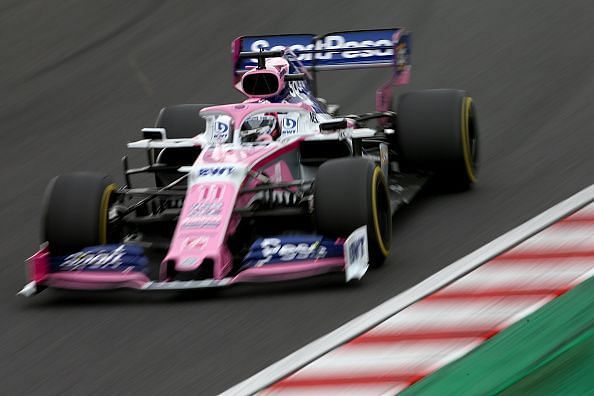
344 196
75 211
434 129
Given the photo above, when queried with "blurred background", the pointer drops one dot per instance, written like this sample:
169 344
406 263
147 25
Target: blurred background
78 79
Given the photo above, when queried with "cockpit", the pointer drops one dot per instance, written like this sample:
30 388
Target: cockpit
261 128
264 124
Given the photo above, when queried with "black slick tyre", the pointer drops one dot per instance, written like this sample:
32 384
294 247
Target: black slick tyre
349 193
75 211
437 132
182 120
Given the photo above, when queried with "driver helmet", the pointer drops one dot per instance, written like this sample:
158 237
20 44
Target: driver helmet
260 128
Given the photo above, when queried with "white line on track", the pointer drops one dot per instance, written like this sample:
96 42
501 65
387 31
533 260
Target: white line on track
326 343
353 390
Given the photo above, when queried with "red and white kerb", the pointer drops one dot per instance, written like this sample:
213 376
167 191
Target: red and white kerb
449 323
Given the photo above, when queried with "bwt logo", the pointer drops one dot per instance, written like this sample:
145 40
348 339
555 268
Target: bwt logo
334 42
289 125
218 171
222 127
221 132
356 249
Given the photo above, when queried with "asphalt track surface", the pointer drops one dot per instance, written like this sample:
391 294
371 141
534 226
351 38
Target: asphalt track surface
79 79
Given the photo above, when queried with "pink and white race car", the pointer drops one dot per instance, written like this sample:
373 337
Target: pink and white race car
275 188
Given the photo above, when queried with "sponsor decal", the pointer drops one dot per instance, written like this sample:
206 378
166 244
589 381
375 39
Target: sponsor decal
121 258
221 132
221 128
201 223
297 88
100 260
274 247
356 249
205 209
215 171
283 249
356 255
297 92
188 262
334 42
368 47
289 125
195 242
402 56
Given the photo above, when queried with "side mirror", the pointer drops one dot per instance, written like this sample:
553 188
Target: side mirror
154 133
333 126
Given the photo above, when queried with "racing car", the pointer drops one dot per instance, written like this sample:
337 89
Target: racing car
277 187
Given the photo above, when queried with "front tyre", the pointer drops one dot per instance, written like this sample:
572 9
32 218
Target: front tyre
352 192
75 211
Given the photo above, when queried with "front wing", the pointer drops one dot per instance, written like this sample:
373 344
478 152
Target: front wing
85 271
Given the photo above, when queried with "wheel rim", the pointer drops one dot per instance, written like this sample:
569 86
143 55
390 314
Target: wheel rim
103 215
382 220
469 139
473 138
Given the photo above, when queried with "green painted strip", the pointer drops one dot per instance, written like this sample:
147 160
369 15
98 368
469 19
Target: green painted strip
568 373
558 338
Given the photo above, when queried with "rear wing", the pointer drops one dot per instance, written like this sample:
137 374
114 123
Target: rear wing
334 51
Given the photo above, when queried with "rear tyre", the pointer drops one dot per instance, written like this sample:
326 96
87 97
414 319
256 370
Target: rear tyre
75 211
350 193
437 132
